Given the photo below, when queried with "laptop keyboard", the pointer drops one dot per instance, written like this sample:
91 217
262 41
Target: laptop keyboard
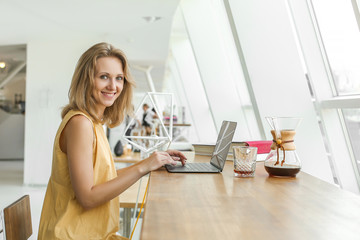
197 167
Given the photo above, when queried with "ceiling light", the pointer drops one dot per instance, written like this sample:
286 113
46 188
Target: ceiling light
2 64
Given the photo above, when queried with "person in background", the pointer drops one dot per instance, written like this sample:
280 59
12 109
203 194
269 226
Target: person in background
135 123
148 118
81 200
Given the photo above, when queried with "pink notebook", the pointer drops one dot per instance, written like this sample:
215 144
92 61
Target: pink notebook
263 146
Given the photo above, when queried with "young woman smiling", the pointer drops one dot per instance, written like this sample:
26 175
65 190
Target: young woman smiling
81 200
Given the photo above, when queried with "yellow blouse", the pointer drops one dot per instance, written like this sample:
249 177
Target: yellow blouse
62 216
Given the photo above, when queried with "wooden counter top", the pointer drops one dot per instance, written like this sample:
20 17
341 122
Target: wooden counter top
220 206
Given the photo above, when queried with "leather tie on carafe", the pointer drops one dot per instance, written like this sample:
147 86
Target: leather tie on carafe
286 142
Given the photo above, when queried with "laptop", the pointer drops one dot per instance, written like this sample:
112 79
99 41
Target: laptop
218 157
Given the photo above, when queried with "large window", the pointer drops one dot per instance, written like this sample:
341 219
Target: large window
341 39
332 66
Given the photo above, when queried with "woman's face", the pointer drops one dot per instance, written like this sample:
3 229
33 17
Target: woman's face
109 82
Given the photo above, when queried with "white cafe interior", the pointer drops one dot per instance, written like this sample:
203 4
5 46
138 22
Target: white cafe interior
230 60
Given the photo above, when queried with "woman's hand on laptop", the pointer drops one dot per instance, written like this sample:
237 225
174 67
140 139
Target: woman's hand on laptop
159 159
177 156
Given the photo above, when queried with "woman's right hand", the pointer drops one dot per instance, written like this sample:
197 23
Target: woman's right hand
157 160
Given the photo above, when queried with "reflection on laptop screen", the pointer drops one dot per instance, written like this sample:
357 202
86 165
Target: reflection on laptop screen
223 143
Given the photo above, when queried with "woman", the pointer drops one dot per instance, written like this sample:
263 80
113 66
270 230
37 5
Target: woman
81 200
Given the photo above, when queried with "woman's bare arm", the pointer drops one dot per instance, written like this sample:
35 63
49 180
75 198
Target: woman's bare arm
77 142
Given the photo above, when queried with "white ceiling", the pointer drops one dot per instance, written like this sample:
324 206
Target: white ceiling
124 21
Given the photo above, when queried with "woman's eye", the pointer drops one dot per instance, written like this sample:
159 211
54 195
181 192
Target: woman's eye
119 78
103 77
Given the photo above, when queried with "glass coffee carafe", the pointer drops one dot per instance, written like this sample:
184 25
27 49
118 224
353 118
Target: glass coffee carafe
283 160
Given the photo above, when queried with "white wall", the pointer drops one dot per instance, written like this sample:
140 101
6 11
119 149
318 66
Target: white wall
50 65
194 91
212 52
184 106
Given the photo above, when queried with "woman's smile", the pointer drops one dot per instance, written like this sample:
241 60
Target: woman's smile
109 94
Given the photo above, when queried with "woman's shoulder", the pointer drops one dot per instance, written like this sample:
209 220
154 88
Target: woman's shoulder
79 125
78 120
76 113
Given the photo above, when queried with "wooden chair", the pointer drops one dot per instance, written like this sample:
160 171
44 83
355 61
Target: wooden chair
17 219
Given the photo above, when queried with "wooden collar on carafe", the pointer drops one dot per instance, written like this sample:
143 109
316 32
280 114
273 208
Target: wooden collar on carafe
285 142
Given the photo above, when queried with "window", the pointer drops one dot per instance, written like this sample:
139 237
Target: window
341 38
352 122
328 35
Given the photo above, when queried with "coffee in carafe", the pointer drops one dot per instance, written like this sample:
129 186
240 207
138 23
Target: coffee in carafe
283 160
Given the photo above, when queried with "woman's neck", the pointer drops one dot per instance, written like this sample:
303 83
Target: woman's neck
100 113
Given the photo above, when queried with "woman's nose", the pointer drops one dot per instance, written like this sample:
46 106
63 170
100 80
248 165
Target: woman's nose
112 83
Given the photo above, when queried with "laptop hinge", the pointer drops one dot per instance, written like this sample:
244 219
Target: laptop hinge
215 166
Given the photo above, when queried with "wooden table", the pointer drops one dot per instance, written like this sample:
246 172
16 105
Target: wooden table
220 206
133 157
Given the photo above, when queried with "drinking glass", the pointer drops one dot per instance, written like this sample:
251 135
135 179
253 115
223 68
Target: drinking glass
244 161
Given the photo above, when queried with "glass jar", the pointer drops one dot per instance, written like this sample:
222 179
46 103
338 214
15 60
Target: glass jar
283 160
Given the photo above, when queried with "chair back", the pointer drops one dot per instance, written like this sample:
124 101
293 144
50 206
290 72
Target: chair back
17 219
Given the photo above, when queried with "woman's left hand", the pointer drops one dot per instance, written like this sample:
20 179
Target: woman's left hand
177 156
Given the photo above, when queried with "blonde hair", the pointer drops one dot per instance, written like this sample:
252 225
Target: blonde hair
82 85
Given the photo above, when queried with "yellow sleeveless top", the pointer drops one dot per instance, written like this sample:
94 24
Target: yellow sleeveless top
62 216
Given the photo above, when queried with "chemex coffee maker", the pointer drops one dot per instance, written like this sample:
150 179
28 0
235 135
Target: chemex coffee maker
283 160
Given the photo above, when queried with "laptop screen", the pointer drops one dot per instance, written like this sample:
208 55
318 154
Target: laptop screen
223 143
